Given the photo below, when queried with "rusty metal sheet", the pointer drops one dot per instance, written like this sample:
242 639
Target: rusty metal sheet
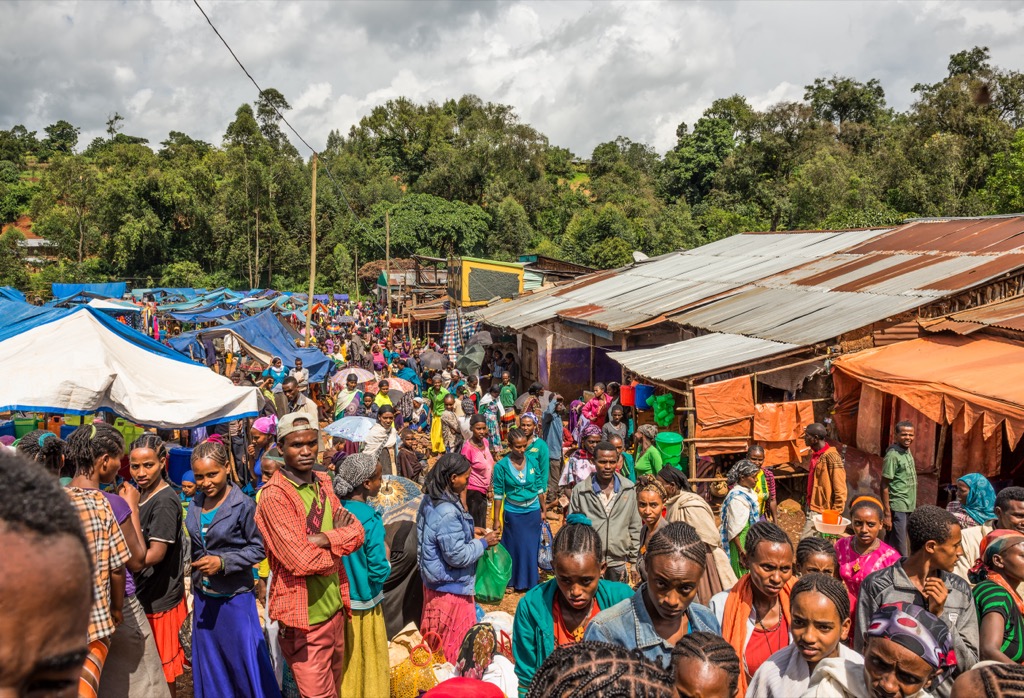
978 236
997 266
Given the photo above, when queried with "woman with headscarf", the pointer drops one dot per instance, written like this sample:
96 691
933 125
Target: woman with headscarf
975 501
532 402
449 548
740 511
581 463
347 401
262 437
908 652
366 669
382 439
996 575
685 505
275 374
648 457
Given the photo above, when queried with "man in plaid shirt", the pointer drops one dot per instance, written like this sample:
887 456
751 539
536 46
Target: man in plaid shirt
306 532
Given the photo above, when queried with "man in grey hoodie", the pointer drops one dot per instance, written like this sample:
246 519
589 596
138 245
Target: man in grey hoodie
609 501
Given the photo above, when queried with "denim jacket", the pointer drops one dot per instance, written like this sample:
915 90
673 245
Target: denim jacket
629 625
232 536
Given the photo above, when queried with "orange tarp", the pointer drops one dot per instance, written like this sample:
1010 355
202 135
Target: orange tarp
724 409
946 377
779 428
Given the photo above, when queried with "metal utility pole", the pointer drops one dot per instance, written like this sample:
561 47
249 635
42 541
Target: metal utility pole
312 256
387 260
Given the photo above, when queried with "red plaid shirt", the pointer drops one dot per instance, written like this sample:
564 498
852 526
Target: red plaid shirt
281 518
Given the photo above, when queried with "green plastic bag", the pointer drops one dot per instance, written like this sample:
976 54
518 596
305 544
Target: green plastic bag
664 407
493 573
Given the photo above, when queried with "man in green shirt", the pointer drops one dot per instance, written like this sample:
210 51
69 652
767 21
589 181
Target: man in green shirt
508 393
899 487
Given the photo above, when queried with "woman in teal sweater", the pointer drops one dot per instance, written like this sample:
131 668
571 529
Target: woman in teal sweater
366 668
557 612
519 508
536 448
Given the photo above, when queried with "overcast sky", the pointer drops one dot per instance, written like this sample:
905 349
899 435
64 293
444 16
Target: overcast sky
580 72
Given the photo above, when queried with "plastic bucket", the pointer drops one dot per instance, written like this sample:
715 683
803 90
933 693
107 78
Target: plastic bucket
23 425
67 430
7 429
627 396
178 463
670 444
642 393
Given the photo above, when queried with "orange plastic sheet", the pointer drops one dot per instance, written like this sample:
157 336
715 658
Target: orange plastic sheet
944 377
779 428
724 409
973 452
869 420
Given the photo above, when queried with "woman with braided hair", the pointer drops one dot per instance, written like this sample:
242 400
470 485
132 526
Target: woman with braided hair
47 448
519 488
820 610
994 680
755 614
816 554
864 552
557 612
662 610
650 502
599 670
740 511
705 666
366 669
996 576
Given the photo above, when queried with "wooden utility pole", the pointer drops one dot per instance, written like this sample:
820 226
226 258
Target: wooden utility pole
357 272
312 256
387 261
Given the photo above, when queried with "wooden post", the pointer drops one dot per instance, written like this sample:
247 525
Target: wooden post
625 344
357 273
691 428
312 254
943 431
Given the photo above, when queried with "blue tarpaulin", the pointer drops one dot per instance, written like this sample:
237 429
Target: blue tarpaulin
16 318
11 294
203 316
264 332
111 290
341 296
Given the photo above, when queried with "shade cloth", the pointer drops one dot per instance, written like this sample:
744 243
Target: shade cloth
725 412
79 362
944 377
779 428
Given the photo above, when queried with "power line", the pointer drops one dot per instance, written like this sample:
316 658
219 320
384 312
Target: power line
327 167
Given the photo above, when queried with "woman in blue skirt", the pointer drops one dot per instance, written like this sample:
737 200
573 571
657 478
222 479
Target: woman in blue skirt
229 652
519 486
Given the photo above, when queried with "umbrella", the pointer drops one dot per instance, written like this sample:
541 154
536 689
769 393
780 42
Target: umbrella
350 428
470 361
399 384
398 499
362 375
345 319
483 338
432 360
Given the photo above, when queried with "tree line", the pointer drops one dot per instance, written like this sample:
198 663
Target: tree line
469 177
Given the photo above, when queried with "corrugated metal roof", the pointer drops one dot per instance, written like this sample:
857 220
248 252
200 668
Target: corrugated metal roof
1008 315
708 353
674 281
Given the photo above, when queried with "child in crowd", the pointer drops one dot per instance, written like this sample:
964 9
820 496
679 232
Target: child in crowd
615 426
188 491
816 554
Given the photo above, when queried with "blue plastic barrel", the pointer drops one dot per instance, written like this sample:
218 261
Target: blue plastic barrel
7 428
642 394
179 463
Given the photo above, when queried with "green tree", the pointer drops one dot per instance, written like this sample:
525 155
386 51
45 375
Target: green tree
65 208
183 274
12 268
512 231
61 138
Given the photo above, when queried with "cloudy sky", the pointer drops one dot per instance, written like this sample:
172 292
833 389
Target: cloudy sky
581 72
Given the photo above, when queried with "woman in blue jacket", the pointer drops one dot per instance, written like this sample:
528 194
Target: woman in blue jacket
557 612
662 610
229 652
449 547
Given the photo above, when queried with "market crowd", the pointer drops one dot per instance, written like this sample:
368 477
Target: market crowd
302 545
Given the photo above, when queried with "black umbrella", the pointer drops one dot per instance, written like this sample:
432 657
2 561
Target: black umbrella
482 338
470 361
432 360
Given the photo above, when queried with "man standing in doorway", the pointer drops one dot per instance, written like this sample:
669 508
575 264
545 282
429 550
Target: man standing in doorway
306 532
826 479
899 487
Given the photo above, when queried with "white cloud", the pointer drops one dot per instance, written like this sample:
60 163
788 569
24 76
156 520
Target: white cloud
580 71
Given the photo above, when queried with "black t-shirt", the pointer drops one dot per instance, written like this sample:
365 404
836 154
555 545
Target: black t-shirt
162 586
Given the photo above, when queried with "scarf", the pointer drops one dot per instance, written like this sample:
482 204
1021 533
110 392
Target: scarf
345 398
981 499
738 606
996 543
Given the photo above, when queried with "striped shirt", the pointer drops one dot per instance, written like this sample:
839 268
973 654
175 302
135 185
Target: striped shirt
989 597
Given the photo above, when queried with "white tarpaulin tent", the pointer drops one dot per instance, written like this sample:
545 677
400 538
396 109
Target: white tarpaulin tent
77 364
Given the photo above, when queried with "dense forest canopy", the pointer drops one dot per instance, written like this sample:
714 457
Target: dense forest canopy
467 177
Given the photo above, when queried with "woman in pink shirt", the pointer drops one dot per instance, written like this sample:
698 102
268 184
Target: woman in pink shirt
478 452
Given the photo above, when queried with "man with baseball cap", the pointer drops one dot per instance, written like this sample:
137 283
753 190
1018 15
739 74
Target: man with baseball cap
306 532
